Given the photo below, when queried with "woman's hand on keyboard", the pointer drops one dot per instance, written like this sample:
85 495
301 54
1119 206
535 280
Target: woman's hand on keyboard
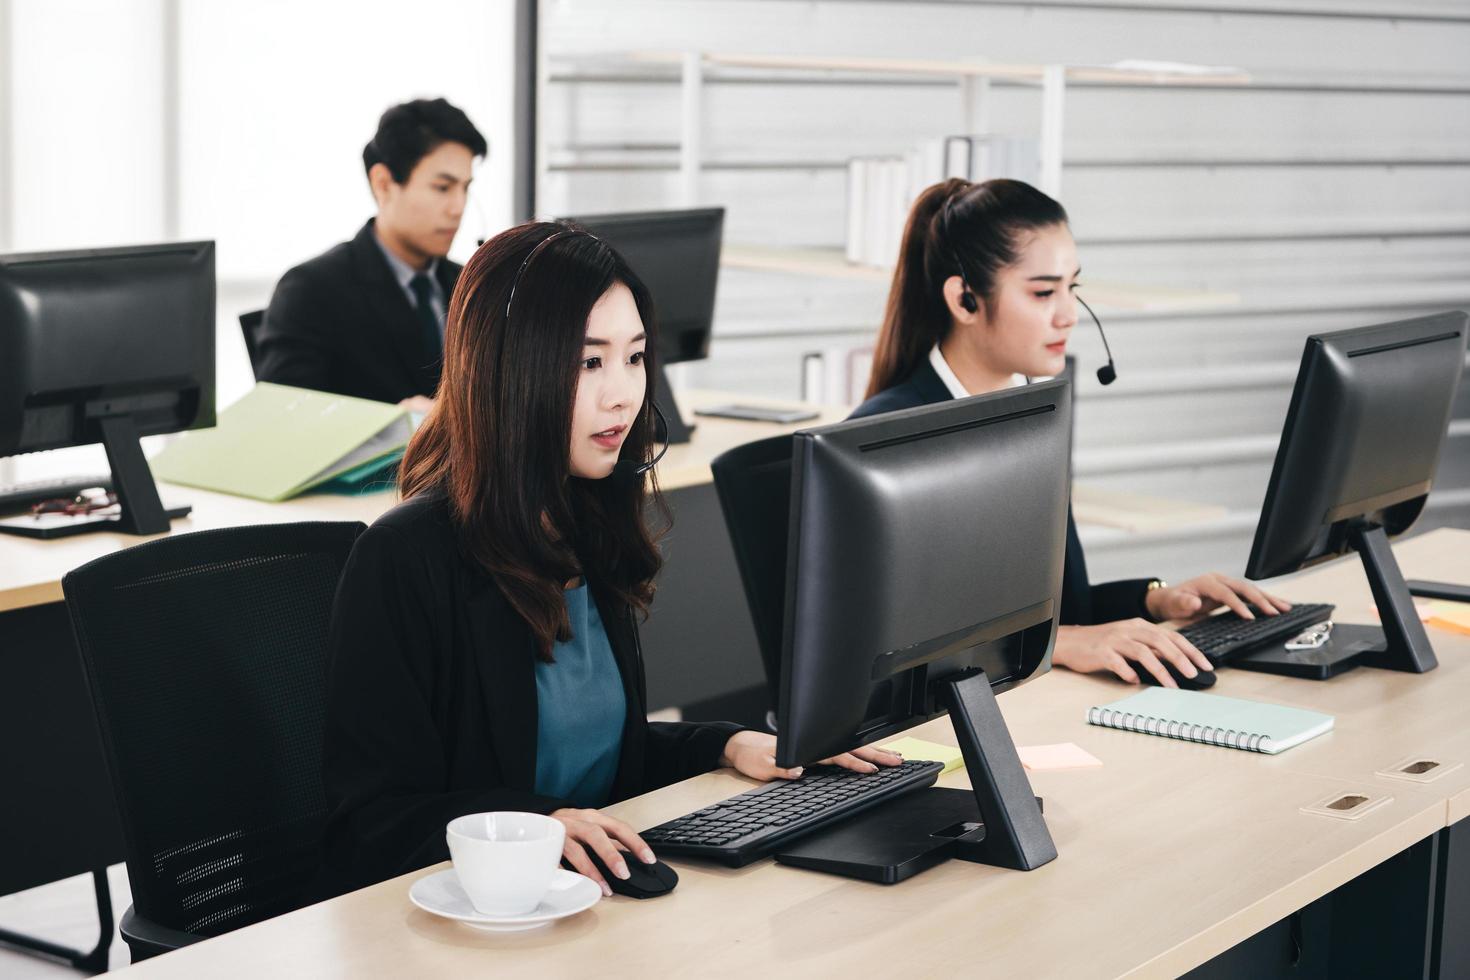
1206 593
753 754
1125 647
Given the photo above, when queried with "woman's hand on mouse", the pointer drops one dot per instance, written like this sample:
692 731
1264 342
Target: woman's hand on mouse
753 754
1206 593
1126 646
595 831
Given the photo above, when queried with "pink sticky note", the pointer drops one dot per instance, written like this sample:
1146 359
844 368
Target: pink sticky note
1066 755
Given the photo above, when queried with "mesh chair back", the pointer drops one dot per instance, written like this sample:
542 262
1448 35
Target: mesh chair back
250 324
206 658
754 485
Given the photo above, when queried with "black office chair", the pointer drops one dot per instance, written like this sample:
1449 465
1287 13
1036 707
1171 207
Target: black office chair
250 324
753 482
206 656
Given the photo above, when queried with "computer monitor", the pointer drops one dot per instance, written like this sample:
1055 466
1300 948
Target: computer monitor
1357 458
913 562
106 345
677 255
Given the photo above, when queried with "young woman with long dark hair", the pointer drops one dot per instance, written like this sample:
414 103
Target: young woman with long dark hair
484 642
983 298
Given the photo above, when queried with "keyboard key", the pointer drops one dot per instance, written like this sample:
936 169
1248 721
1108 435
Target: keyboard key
1225 635
748 826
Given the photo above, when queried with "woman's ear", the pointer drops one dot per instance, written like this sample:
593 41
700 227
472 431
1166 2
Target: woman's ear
962 303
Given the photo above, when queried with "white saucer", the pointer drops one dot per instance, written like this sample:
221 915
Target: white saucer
442 894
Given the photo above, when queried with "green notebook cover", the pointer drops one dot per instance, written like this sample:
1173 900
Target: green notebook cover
375 476
279 441
1199 717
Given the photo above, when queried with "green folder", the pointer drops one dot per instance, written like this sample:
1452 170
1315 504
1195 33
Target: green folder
278 441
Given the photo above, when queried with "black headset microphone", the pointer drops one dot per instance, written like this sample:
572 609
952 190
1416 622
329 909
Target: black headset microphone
625 470
1106 374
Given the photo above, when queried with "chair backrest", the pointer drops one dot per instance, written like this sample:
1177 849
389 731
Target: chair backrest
206 656
250 324
754 486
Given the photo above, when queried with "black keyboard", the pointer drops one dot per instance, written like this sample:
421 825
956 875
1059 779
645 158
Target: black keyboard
752 825
20 496
1225 635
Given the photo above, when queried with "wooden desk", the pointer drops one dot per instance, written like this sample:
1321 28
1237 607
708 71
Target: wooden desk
1192 888
1459 806
1169 855
31 570
1383 716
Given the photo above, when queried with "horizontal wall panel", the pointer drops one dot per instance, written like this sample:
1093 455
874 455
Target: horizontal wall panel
772 121
1010 34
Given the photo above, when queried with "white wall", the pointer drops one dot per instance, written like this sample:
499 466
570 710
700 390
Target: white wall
137 121
1332 191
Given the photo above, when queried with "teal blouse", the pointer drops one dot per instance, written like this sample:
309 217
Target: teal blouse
580 710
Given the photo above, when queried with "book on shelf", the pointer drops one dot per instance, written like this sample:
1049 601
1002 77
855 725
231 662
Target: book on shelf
881 189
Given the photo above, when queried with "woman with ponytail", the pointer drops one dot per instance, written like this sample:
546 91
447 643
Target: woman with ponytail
484 639
984 299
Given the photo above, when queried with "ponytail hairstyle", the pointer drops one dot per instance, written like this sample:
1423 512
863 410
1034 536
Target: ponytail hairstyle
497 442
956 228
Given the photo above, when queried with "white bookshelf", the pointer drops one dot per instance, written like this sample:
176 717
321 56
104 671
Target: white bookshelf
830 263
972 77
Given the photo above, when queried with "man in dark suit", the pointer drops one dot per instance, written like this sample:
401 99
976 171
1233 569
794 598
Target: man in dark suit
366 318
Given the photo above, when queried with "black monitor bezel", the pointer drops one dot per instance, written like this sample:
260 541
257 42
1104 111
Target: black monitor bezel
197 395
1395 511
671 350
1033 629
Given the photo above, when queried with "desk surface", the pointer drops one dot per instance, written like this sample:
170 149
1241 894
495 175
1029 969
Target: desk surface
1383 716
31 570
1201 846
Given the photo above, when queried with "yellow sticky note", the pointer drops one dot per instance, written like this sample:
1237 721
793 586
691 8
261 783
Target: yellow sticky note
1453 616
1064 755
918 749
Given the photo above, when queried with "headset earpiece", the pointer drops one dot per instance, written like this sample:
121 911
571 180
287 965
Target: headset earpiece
967 298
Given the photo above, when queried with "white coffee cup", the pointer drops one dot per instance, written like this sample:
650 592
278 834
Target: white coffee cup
505 861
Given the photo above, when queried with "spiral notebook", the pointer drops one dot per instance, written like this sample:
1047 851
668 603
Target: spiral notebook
1199 717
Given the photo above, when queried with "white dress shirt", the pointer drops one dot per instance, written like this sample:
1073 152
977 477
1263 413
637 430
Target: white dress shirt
952 381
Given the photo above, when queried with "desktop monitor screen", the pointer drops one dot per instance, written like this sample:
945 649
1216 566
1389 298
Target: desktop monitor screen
922 544
103 333
1362 438
677 255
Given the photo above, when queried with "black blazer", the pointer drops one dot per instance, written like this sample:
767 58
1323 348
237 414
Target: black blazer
341 323
431 703
1083 604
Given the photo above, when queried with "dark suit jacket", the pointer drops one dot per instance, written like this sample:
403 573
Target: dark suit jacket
341 323
1083 604
431 702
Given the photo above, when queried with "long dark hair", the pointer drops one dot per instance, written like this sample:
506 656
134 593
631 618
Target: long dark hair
955 228
497 442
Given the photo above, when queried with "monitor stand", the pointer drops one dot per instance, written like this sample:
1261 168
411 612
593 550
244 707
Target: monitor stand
1399 644
663 396
1439 590
139 509
997 822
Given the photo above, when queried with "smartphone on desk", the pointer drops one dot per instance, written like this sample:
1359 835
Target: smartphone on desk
759 413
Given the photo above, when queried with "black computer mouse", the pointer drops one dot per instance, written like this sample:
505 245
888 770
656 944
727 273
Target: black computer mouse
1200 681
643 881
